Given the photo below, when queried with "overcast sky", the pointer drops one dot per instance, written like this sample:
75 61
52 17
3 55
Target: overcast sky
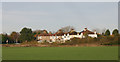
0 17
53 16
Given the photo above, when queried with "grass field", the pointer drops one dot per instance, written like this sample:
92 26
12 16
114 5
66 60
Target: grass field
60 53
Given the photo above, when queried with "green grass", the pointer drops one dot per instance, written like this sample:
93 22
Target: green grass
60 53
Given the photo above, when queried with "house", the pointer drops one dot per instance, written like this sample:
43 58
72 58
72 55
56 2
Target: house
82 34
89 33
44 36
57 36
62 37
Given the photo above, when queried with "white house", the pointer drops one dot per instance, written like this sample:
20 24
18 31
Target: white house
62 37
79 35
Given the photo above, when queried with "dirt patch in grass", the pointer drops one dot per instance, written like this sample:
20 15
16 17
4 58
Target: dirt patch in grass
50 45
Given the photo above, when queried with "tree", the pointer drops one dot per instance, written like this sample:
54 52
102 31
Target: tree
4 38
45 32
86 34
72 30
107 33
0 38
37 32
103 33
14 35
34 33
50 32
59 31
97 30
67 28
26 34
115 32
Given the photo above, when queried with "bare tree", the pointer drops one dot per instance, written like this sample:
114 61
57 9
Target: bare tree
67 28
50 32
97 30
15 36
38 31
103 30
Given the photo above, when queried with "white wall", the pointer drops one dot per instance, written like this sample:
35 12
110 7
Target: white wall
93 35
68 37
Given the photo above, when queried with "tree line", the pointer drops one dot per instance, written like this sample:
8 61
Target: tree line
27 35
24 35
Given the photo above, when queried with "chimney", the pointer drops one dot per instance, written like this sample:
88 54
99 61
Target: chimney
50 32
95 32
85 29
72 30
77 33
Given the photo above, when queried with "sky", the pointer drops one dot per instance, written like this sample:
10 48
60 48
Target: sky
53 16
0 17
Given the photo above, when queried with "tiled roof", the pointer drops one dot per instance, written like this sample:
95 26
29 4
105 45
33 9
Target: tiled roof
87 31
71 33
59 34
44 35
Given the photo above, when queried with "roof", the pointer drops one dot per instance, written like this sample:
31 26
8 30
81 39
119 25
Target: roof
87 31
59 33
44 34
73 33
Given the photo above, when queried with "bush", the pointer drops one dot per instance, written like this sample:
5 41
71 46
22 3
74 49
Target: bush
75 41
103 40
109 40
